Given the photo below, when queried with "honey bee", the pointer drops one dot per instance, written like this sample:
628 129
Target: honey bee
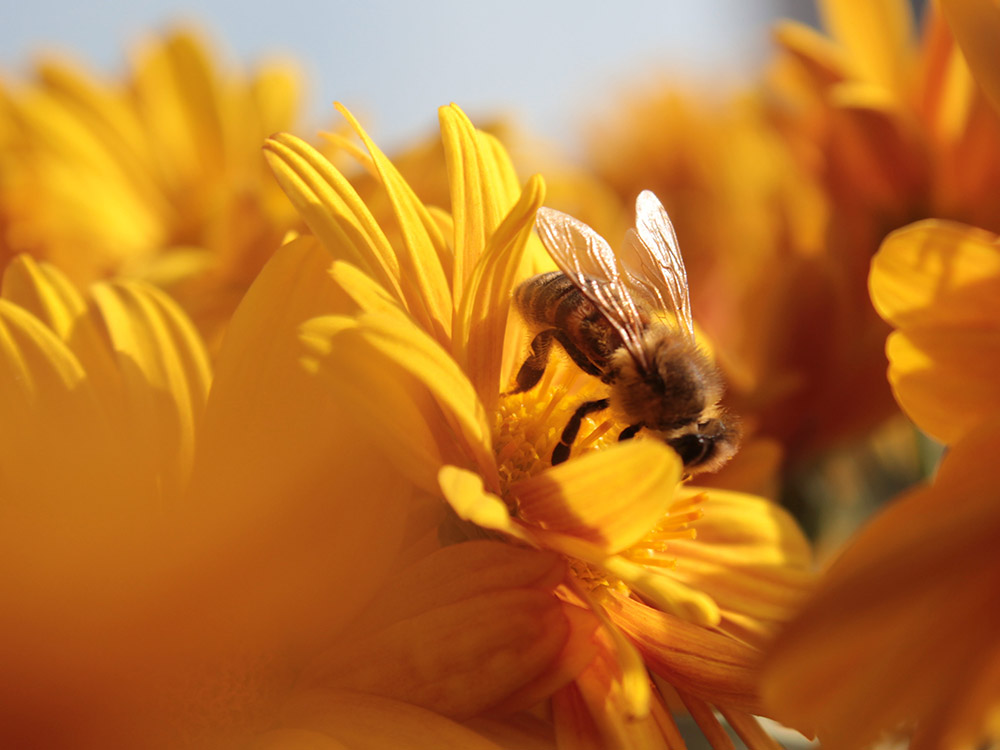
600 308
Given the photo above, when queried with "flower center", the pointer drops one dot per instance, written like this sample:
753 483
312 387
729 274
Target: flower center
527 427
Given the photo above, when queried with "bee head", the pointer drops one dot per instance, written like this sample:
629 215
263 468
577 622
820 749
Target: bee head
708 445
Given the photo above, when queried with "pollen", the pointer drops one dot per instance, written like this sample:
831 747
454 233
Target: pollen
528 425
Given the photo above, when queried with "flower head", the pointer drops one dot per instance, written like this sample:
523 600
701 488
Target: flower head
423 365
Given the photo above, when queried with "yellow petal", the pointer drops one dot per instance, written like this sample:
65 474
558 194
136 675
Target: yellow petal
594 711
878 36
976 26
44 291
697 660
165 375
386 345
332 209
295 492
178 91
628 673
368 294
662 591
421 269
945 378
370 722
466 182
523 731
379 402
456 642
937 272
578 651
483 190
58 443
482 317
464 492
750 557
609 498
825 61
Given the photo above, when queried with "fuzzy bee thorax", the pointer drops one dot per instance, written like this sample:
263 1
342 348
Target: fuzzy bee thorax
676 387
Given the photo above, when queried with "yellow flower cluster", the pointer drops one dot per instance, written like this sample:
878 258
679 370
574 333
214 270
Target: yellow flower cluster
265 481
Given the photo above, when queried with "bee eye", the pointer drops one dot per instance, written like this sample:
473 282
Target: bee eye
693 448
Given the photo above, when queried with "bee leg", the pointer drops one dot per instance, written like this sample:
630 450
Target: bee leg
576 355
569 433
534 366
629 432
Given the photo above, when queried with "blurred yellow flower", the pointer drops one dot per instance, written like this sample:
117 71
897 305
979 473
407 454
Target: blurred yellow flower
902 633
421 365
158 175
185 553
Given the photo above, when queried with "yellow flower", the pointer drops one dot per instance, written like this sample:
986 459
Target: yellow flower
421 365
902 634
157 175
184 546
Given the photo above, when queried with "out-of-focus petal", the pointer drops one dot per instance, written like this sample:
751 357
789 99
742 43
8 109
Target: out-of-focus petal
55 438
296 739
882 150
824 60
944 378
976 26
521 732
878 35
937 272
158 353
277 481
902 613
453 640
939 284
370 722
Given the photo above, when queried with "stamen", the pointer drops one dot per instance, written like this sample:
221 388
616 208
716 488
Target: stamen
594 435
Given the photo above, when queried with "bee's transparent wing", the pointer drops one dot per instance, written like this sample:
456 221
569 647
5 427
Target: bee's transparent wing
652 262
587 259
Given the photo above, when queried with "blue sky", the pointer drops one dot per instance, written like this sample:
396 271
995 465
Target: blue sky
549 64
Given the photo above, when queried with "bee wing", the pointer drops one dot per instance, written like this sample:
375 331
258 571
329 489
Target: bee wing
651 258
587 259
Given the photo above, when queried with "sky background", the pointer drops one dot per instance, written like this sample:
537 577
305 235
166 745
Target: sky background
550 65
